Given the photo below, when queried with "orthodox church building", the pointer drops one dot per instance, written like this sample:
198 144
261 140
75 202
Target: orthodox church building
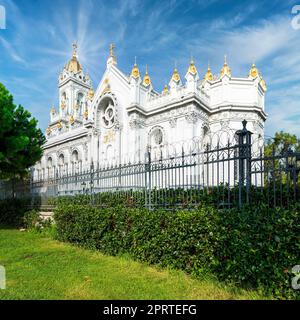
125 115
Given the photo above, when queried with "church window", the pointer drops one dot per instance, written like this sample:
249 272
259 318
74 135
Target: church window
61 160
49 162
75 156
80 101
108 116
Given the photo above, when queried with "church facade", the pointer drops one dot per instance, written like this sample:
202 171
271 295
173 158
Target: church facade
124 117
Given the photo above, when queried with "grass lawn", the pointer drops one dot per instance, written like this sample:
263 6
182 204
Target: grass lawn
41 268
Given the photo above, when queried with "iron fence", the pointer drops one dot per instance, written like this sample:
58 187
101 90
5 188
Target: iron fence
230 175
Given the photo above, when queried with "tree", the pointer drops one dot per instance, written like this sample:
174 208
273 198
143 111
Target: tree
281 143
20 139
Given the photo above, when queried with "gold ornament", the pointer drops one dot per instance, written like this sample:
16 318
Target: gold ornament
175 76
165 90
91 94
74 65
107 86
59 126
253 73
209 76
48 130
86 114
225 69
109 137
72 119
146 80
53 111
192 68
263 84
135 71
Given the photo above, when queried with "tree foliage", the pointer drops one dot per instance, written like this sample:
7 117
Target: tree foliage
281 143
20 139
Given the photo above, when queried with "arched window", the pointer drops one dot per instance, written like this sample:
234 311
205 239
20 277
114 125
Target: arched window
109 152
50 167
80 102
76 162
49 162
61 163
61 160
75 156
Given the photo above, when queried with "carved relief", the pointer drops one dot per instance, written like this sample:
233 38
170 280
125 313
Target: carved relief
109 137
173 122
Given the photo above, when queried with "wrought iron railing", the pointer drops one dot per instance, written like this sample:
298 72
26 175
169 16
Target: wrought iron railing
230 175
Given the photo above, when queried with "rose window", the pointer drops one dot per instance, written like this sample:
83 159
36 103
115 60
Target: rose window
108 116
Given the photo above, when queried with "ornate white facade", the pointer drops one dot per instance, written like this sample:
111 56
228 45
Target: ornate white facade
124 115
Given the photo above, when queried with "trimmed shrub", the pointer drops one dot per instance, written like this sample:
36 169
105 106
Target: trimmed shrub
255 249
12 211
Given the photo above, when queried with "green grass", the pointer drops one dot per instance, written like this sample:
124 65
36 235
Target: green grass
38 267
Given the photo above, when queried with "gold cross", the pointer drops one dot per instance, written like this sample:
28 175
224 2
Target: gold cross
111 50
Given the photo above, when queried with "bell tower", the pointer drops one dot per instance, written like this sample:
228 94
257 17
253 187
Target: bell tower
74 87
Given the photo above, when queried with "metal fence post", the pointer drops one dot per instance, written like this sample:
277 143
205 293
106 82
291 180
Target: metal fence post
244 157
148 178
92 183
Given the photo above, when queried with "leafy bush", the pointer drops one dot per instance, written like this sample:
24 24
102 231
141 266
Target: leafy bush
32 219
254 249
12 211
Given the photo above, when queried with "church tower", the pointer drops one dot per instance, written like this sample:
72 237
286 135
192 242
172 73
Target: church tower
74 89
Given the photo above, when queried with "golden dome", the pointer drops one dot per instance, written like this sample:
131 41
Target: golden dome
192 68
74 65
209 76
135 71
175 76
146 80
225 69
253 73
91 94
165 90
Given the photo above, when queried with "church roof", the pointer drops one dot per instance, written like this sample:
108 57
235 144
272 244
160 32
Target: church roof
74 65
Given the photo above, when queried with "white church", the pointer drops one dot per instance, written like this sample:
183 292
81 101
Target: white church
125 115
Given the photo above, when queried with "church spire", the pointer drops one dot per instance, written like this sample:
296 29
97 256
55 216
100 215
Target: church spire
208 76
225 70
192 68
146 80
135 70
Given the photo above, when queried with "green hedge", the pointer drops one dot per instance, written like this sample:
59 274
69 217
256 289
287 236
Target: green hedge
12 211
255 249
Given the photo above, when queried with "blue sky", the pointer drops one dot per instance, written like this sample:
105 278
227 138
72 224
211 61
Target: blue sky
38 40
